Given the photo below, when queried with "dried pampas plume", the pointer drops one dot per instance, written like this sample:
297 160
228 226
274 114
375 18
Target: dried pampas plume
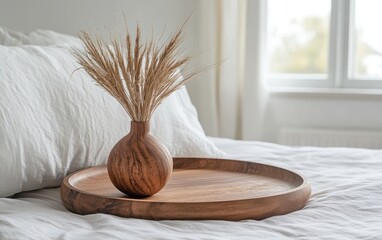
140 75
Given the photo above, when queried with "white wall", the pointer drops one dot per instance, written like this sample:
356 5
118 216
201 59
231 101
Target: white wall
70 16
330 111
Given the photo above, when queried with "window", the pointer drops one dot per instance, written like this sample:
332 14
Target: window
325 43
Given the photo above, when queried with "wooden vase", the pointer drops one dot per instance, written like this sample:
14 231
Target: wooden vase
139 165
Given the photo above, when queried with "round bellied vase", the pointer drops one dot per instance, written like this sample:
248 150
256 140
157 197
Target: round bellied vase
139 165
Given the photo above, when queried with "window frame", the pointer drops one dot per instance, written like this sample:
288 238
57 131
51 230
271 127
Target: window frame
341 42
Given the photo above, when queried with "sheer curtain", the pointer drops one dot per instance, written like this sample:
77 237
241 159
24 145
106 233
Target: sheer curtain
231 100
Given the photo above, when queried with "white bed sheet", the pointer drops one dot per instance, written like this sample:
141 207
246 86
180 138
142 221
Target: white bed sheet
346 203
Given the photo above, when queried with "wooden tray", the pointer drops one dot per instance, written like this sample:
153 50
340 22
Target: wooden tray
199 188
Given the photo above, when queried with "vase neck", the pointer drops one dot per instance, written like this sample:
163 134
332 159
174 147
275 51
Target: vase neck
140 128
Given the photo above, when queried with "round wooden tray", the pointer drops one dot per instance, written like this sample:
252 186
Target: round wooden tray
199 188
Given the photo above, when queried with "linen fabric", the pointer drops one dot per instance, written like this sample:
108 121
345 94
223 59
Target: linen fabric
346 203
41 37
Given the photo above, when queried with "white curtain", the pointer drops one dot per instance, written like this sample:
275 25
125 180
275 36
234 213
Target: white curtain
231 100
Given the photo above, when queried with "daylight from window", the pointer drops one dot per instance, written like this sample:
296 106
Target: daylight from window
298 37
367 44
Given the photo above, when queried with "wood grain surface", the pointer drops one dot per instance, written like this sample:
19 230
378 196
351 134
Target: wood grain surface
199 188
139 165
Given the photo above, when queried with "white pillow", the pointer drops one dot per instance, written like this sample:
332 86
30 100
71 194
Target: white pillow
7 39
40 37
52 124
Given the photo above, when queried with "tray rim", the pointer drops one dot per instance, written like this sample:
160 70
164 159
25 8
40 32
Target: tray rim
303 184
302 191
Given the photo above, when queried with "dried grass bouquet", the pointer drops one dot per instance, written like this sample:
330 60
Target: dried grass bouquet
140 75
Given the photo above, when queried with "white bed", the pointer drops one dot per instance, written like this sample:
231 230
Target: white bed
346 203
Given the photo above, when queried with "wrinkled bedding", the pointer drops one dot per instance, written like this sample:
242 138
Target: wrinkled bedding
346 203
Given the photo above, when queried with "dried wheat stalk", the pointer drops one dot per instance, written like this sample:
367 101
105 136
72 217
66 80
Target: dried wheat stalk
139 75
